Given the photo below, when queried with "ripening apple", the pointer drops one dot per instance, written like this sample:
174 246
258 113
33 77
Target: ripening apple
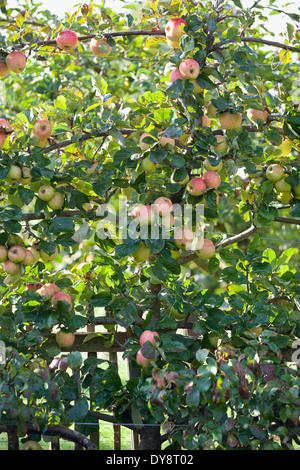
14 174
2 140
100 47
167 221
5 125
282 186
48 289
162 206
3 254
205 248
16 61
31 445
142 253
285 148
174 30
67 40
175 75
148 335
183 237
46 192
230 121
12 268
57 201
148 165
196 186
46 257
29 259
35 252
143 214
144 145
221 145
61 297
4 70
141 359
211 110
16 253
65 339
255 114
33 286
165 140
212 179
274 172
210 167
42 129
257 330
205 121
189 69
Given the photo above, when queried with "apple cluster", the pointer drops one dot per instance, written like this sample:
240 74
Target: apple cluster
50 290
55 199
277 175
66 41
16 256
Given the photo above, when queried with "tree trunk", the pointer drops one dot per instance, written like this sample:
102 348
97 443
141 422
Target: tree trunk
150 438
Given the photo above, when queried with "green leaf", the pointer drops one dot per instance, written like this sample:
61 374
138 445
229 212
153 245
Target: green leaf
101 299
61 224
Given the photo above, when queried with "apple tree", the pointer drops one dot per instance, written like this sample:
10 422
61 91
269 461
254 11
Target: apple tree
113 124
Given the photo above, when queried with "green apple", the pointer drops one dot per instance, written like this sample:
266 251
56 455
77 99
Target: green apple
142 253
274 172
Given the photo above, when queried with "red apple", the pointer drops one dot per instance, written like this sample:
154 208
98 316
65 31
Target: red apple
61 296
165 140
189 68
141 359
230 121
100 47
205 121
175 75
67 40
33 286
2 140
16 61
205 248
12 268
148 335
221 145
143 214
29 259
48 289
144 145
196 186
16 253
212 179
255 114
5 125
163 206
174 30
4 70
42 129
65 339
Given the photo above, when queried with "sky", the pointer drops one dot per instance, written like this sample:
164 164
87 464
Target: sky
276 23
